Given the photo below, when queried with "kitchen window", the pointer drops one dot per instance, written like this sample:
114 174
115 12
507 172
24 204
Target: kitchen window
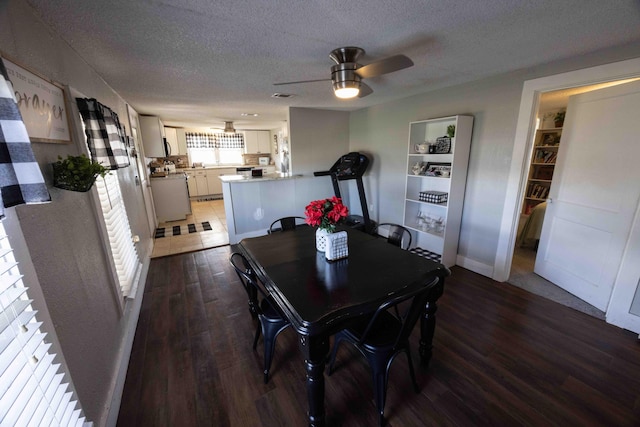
215 148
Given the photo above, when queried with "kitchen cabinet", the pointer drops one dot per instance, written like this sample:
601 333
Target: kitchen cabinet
191 183
543 161
182 141
214 185
202 187
152 132
203 182
172 138
436 180
257 141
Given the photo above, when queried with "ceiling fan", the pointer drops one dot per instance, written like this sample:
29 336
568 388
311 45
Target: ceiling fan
347 74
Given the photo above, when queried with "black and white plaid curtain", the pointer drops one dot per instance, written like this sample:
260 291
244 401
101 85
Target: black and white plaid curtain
200 140
105 135
230 141
214 140
21 180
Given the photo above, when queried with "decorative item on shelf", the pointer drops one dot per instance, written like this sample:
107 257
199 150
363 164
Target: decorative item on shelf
325 214
434 196
451 131
418 168
558 119
432 224
550 139
422 148
442 170
442 145
77 173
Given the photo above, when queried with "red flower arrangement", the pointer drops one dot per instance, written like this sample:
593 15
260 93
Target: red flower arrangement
326 213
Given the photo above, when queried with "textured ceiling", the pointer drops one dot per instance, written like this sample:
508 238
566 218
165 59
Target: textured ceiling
201 62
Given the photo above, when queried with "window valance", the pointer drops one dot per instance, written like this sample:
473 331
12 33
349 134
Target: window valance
215 140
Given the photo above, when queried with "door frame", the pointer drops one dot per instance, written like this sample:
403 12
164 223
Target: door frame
525 128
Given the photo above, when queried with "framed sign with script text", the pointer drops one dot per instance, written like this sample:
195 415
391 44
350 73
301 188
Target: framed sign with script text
41 104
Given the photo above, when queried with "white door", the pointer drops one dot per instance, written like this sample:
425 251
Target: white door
624 308
594 195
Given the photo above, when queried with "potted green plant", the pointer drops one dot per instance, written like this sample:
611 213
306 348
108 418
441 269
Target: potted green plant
77 173
559 118
451 131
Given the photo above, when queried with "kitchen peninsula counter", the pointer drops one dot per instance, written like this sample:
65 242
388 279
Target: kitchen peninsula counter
254 179
251 204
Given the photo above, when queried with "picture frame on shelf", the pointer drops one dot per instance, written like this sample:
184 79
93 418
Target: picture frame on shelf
438 169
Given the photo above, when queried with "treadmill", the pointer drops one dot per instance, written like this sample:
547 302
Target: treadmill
348 167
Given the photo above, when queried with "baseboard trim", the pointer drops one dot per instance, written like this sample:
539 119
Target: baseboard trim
475 266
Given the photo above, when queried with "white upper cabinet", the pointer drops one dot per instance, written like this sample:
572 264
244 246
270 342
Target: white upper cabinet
172 138
257 141
182 141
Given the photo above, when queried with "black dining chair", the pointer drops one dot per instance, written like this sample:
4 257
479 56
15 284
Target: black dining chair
397 234
286 223
272 322
381 337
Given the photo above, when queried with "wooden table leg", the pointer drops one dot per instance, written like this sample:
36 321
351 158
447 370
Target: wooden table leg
315 350
428 324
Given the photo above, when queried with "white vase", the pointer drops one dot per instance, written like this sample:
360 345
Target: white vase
321 239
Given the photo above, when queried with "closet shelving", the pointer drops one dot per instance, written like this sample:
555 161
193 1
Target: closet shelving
543 161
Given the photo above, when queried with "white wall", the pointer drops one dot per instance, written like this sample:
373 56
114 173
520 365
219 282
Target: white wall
384 131
63 237
317 138
494 102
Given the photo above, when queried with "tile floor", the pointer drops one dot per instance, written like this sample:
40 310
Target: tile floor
212 211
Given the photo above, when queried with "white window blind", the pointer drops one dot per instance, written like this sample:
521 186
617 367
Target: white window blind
32 392
123 250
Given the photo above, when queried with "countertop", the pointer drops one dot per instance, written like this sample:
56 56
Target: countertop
179 172
234 179
224 167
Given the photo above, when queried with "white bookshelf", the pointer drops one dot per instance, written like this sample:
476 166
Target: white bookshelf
436 226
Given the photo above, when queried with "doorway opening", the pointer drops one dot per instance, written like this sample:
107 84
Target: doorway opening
546 139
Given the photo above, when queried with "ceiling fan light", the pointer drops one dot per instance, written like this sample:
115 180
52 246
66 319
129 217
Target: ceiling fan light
347 89
228 127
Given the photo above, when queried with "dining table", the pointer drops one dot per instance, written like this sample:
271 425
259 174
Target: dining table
321 297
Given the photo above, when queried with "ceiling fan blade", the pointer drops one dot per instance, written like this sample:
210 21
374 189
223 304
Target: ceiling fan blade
384 66
364 90
302 81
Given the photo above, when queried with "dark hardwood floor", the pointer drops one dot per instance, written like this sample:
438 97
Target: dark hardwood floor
502 357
